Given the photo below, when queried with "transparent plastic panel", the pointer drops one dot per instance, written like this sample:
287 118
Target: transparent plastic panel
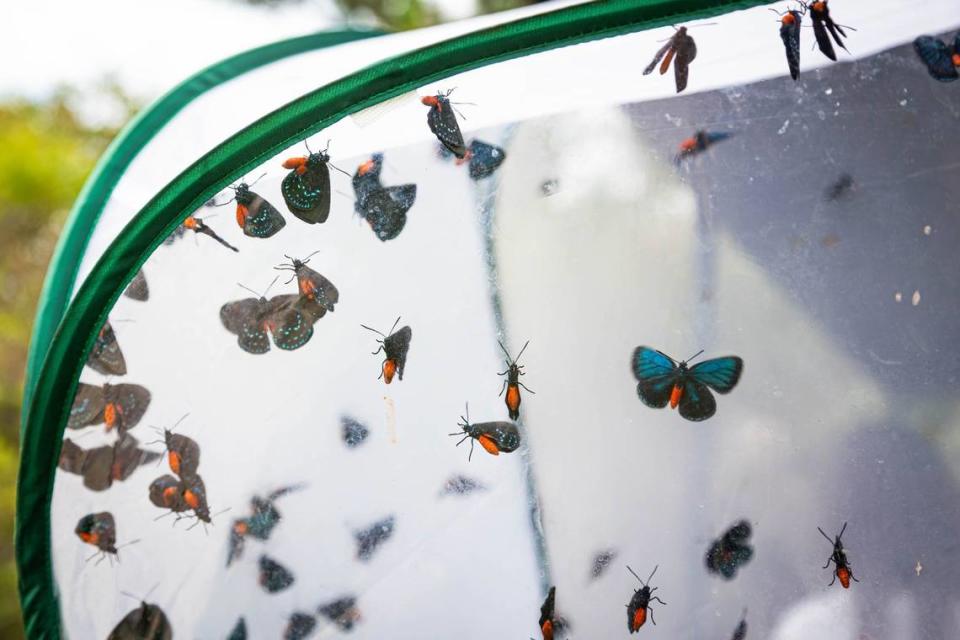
807 228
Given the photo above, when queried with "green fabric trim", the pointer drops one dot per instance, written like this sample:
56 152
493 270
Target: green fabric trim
229 162
62 273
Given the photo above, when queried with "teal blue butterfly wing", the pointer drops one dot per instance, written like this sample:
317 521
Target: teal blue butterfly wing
656 374
720 374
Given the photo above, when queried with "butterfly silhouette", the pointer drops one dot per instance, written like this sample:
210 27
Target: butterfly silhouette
662 380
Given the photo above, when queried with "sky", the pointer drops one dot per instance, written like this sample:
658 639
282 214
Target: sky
148 47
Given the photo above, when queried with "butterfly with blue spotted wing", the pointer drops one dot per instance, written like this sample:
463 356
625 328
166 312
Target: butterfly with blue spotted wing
661 380
443 122
942 60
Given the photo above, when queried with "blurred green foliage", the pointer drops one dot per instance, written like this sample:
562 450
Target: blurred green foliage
46 153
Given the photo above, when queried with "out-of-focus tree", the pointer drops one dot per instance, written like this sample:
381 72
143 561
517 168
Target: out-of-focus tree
46 153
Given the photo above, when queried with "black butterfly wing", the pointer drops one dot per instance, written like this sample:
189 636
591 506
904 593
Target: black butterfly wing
835 30
239 631
354 431
316 287
262 219
657 58
396 347
307 194
183 455
385 209
823 38
461 485
290 326
790 34
106 357
131 402
274 577
938 58
740 633
686 52
443 123
98 468
147 622
246 318
237 541
504 434
88 405
138 289
166 492
128 456
367 179
485 158
369 539
656 374
282 491
72 457
299 626
343 612
696 403
546 609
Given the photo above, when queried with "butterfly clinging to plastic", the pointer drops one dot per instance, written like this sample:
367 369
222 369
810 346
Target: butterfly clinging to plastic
661 380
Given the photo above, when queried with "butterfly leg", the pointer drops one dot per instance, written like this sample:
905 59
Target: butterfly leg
650 609
658 600
526 387
832 581
502 388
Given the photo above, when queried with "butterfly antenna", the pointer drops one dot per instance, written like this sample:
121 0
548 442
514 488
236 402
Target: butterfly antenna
327 148
504 349
307 145
152 589
694 356
258 179
829 539
349 175
128 544
521 351
177 423
372 329
271 286
395 323
844 528
651 575
307 259
468 412
130 595
634 574
242 286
